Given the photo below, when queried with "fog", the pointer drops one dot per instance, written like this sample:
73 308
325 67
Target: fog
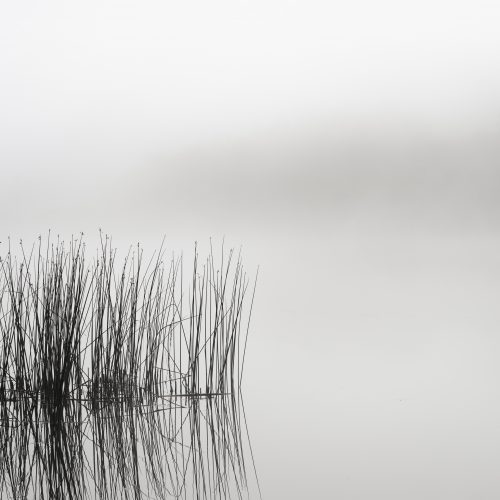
351 150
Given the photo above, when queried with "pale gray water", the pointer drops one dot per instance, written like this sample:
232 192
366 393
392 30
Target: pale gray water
380 367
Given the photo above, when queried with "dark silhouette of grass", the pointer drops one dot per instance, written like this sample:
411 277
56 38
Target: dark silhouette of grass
117 381
71 329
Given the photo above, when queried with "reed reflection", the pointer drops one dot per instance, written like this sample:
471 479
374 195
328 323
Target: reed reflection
189 447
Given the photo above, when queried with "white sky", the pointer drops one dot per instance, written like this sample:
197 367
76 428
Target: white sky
121 80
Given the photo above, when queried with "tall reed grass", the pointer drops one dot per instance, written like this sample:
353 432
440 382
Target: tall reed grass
121 379
78 328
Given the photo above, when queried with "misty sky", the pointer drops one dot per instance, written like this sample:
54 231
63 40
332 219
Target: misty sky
175 104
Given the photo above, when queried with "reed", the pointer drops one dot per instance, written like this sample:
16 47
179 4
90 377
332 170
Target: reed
95 329
121 379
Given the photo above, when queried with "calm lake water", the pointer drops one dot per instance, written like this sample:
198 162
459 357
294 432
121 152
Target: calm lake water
372 368
371 372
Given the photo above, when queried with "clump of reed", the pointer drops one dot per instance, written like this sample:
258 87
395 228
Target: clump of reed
80 328
121 379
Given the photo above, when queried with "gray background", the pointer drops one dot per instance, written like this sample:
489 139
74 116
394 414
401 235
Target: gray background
352 149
